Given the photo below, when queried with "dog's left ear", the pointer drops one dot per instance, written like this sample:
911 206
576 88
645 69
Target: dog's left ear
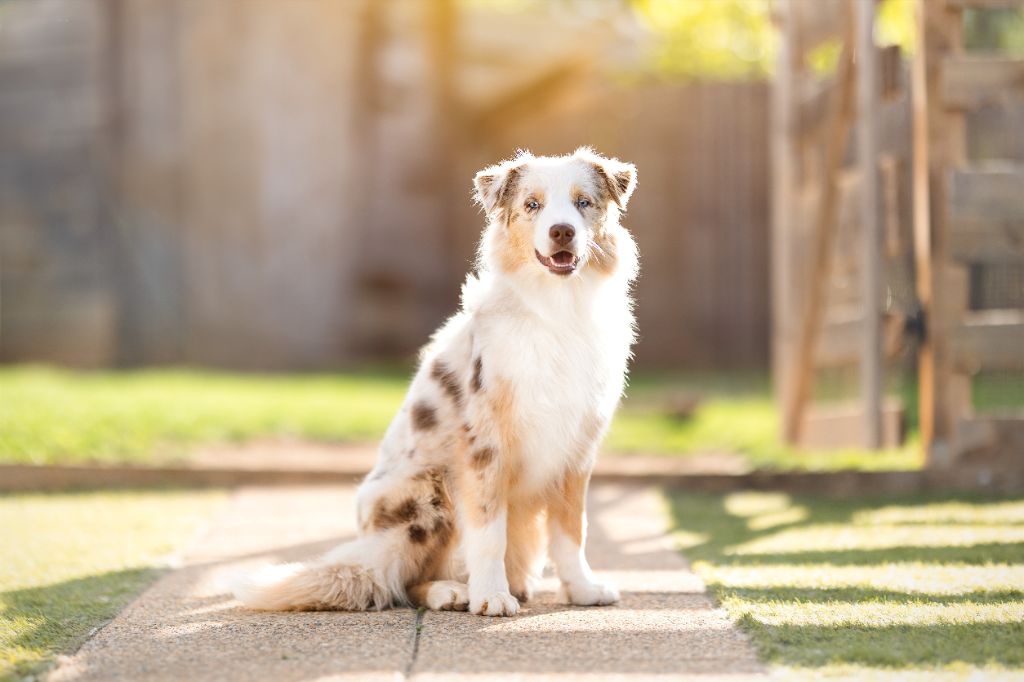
618 177
495 185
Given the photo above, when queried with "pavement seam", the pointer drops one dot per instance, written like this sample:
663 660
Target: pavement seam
416 630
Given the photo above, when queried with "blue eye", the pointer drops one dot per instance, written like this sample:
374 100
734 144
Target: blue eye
532 205
582 203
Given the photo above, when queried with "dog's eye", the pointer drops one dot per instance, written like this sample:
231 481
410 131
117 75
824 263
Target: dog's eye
582 203
532 204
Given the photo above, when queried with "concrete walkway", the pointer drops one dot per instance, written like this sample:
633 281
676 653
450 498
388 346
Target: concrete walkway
185 627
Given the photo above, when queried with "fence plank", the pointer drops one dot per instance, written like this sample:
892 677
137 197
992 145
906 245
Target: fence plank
985 4
989 339
970 81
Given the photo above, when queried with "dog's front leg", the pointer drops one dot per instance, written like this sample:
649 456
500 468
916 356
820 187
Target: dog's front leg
483 493
567 530
485 559
485 516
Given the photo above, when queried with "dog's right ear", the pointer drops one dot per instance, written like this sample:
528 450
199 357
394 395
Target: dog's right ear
495 185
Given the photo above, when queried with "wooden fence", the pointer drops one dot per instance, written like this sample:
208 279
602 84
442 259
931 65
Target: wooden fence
898 226
243 183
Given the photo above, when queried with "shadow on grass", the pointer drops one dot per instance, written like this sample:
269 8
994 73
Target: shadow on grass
59 617
712 533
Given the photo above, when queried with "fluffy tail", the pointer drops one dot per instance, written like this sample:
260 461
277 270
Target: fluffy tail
357 576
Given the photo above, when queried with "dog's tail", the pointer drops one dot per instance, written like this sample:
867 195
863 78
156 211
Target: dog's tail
367 573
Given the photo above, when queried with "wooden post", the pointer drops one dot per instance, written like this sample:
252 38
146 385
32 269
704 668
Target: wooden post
867 138
784 159
938 145
825 227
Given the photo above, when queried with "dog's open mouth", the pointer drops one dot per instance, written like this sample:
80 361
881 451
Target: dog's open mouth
561 263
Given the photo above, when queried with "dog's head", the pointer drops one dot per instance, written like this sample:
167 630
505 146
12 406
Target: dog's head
555 213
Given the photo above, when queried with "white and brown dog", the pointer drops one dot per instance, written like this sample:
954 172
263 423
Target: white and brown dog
498 434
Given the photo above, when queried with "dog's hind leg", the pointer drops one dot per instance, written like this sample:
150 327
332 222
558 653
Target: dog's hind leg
440 595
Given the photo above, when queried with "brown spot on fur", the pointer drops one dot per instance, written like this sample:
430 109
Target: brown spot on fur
443 529
507 191
424 417
482 458
407 510
384 518
448 380
417 534
622 179
478 369
614 187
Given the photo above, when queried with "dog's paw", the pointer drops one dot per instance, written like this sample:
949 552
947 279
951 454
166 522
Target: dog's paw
497 604
448 595
590 594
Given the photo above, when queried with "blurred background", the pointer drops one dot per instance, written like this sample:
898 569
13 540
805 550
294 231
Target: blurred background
277 186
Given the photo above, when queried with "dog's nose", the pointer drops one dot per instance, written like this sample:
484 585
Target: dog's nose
562 233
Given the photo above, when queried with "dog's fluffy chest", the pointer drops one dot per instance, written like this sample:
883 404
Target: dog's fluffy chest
566 379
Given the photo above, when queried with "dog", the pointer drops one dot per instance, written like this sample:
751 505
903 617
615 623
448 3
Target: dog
489 458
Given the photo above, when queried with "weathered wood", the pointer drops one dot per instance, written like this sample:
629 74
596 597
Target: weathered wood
970 81
817 21
785 156
987 214
989 339
991 193
842 426
986 241
841 340
938 146
871 233
985 4
824 236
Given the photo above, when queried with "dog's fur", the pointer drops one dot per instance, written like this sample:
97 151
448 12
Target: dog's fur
497 437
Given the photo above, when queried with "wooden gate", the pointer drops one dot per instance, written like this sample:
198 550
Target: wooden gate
842 235
969 224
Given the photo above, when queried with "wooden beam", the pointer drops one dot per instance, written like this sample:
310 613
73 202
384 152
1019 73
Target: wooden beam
938 146
987 214
993 193
970 81
985 4
785 210
871 233
989 339
986 241
826 220
841 426
817 21
840 343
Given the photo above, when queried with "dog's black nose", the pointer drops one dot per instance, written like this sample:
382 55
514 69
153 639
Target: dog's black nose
562 233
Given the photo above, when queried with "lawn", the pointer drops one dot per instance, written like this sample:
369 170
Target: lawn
865 586
50 415
73 560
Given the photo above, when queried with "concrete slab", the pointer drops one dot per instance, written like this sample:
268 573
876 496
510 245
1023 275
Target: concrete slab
665 626
186 626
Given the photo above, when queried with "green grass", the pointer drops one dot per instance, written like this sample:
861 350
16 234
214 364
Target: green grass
71 561
865 586
733 413
51 416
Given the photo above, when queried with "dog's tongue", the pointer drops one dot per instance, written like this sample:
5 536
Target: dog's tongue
562 258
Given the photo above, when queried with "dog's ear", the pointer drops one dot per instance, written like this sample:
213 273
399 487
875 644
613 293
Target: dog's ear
617 177
495 185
